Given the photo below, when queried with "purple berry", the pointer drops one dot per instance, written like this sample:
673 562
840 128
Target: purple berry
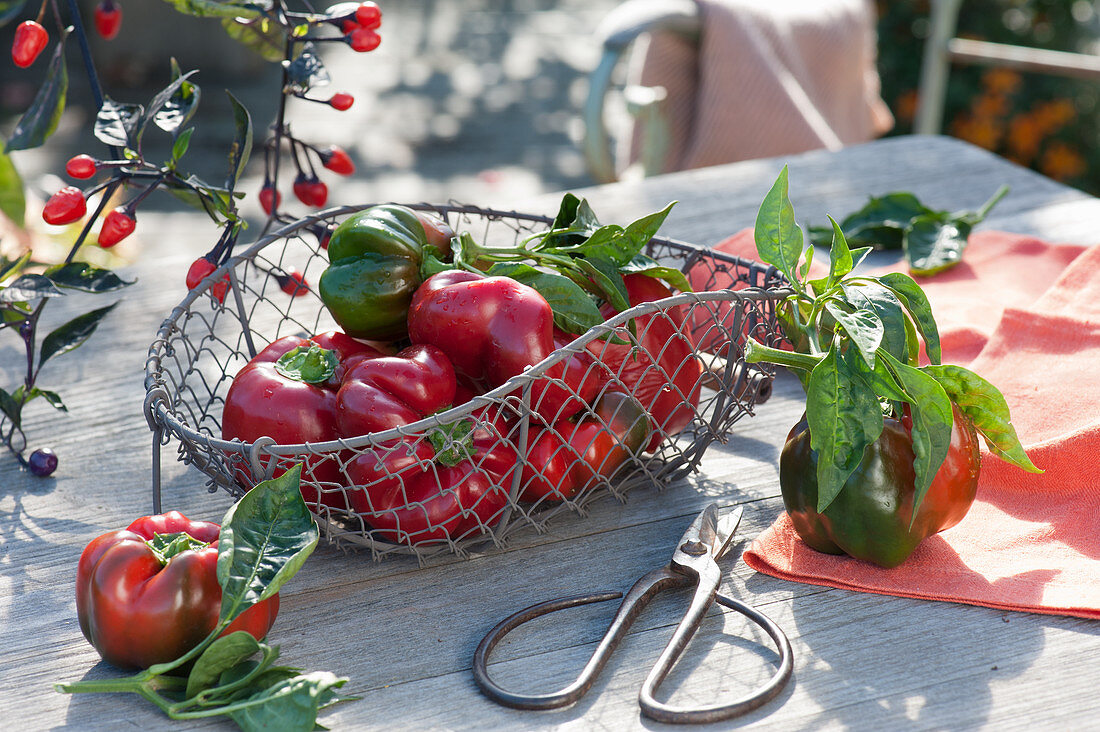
43 462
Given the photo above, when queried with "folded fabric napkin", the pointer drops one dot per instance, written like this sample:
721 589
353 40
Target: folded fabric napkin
766 79
1024 314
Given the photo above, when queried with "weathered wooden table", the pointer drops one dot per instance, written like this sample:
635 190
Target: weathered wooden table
405 634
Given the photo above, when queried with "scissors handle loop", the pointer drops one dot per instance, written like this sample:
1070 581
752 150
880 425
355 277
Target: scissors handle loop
644 590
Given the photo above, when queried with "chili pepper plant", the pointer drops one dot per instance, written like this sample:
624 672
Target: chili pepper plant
886 453
132 165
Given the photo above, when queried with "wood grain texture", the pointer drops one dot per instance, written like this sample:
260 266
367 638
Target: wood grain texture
405 634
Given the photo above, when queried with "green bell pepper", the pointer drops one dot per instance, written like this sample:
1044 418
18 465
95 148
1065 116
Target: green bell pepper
375 260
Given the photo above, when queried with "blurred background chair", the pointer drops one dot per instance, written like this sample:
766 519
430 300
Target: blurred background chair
716 81
942 49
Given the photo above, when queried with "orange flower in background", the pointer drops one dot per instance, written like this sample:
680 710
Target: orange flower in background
1024 137
990 105
1062 162
905 106
1001 81
985 132
1055 114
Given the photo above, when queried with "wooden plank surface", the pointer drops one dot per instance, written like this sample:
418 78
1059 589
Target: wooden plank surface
405 634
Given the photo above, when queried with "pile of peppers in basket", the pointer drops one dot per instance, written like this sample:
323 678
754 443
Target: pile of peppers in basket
886 453
429 320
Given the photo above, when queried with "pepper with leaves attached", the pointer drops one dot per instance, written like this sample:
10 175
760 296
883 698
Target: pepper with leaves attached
886 453
375 261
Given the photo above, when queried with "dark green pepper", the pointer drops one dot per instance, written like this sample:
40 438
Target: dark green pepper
870 518
375 260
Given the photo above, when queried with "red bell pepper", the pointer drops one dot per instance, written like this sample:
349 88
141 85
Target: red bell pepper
382 393
663 375
288 392
448 485
149 593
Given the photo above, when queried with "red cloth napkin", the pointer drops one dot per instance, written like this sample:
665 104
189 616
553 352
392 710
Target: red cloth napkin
1025 314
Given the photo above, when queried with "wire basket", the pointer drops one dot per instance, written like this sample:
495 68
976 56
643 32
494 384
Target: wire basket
382 491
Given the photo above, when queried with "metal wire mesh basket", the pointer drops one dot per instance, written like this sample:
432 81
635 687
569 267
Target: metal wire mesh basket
383 491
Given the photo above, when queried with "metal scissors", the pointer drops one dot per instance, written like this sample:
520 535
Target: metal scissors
693 563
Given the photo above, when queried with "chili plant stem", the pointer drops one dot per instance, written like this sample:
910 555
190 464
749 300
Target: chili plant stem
756 352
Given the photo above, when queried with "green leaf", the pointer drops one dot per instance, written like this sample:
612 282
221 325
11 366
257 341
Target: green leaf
986 407
182 143
844 417
863 326
41 118
116 123
13 203
174 107
223 654
933 244
840 256
779 240
73 334
930 410
880 224
242 143
575 215
574 311
265 539
289 705
29 287
85 277
871 297
641 264
916 302
260 35
11 407
52 397
12 267
606 275
221 8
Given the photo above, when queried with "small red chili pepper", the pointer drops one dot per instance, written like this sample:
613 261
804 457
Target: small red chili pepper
199 270
30 39
364 39
108 19
81 166
368 15
337 160
65 206
341 101
269 198
294 283
117 225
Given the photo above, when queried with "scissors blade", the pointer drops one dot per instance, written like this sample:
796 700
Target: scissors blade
727 527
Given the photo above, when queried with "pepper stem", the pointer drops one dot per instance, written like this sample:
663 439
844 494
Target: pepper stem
757 352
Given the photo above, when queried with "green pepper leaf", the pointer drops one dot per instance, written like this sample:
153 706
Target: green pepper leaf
29 287
85 277
51 397
13 203
607 277
72 335
261 35
880 224
930 410
844 417
116 123
265 539
221 8
290 705
241 148
41 118
174 107
223 654
574 310
11 407
934 243
779 240
870 297
986 407
916 302
641 264
862 325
